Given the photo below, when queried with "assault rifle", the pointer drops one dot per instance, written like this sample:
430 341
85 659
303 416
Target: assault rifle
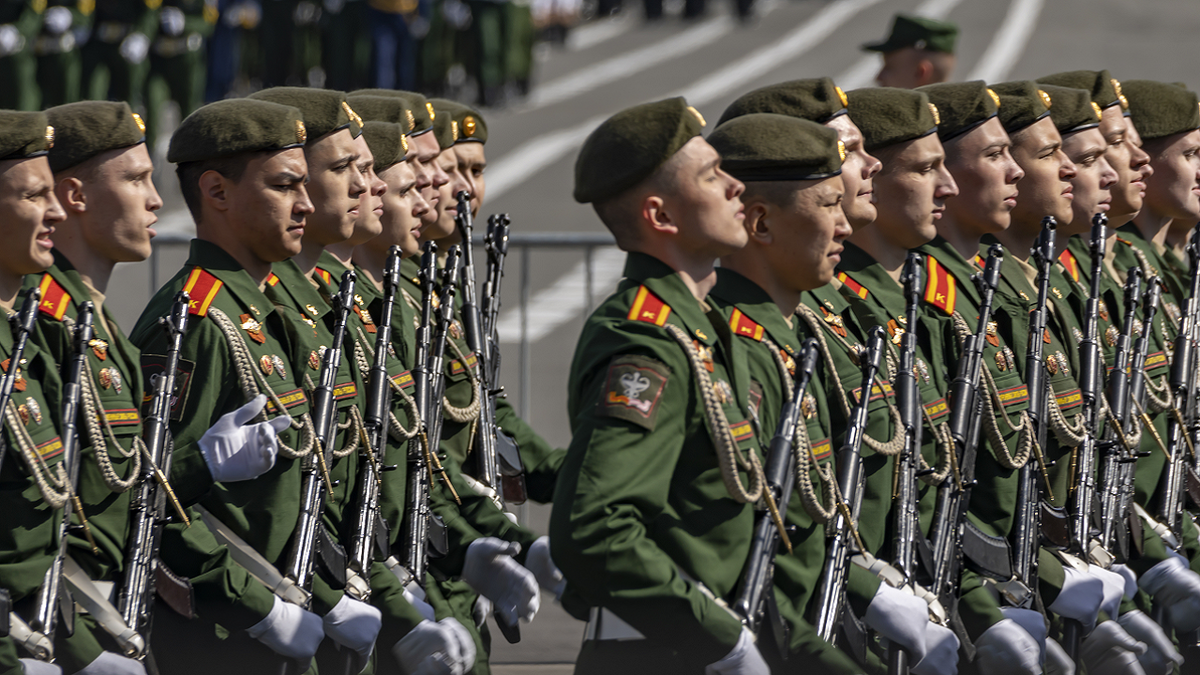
1137 395
512 469
1182 423
1115 449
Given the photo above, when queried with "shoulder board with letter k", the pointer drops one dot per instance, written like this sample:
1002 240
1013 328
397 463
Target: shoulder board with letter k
1069 263
940 286
55 298
855 287
648 307
202 288
742 325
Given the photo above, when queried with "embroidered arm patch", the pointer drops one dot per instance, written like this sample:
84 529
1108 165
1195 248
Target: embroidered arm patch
153 367
633 390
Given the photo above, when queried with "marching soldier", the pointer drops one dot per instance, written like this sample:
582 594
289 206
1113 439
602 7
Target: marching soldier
19 24
59 66
117 47
919 51
177 59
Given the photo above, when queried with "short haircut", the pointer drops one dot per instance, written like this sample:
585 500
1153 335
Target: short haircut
942 62
620 214
781 193
231 167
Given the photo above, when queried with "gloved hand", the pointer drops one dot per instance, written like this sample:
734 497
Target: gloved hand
1031 622
291 631
57 20
490 570
415 595
11 39
480 611
1079 598
135 47
1171 583
1006 649
353 624
442 648
744 659
171 20
1114 589
1057 660
35 667
1109 650
235 450
941 652
109 663
538 561
1131 580
1161 656
900 617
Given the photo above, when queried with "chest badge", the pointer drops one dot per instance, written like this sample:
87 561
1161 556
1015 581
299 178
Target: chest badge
808 406
705 354
992 338
835 322
314 360
19 384
99 348
723 391
110 378
279 366
267 364
252 328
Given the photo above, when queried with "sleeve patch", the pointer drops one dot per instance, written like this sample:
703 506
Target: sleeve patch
741 324
202 288
633 390
153 367
649 307
55 298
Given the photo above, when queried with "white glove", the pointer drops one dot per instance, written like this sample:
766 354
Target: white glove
1114 590
941 652
538 561
10 39
899 617
109 663
480 611
1161 656
57 20
1171 583
1131 581
1109 650
415 595
353 624
237 451
442 648
306 12
171 19
35 667
1031 622
291 631
1057 660
490 570
1079 598
744 659
135 47
1006 649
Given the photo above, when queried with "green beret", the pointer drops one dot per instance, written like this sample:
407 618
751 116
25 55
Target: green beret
765 146
234 126
444 127
387 143
1105 89
469 125
390 109
920 32
629 146
89 128
1021 103
1072 109
817 99
418 105
325 111
961 106
887 115
1161 109
24 134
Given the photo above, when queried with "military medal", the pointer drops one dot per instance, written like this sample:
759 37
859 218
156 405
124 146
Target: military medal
992 338
921 368
267 364
835 322
278 363
314 360
1046 335
705 354
1103 310
35 410
1051 364
110 377
1077 333
365 315
454 330
808 406
1001 361
1137 326
1062 363
99 348
23 411
895 331
252 328
1110 336
723 391
788 362
20 383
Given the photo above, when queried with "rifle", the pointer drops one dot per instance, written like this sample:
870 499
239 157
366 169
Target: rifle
1183 420
22 326
51 594
315 468
1115 449
954 494
842 537
1137 395
149 505
751 603
512 470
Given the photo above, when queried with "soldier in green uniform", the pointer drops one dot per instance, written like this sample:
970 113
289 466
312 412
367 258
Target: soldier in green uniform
653 509
32 493
114 56
177 59
59 66
19 24
918 52
345 55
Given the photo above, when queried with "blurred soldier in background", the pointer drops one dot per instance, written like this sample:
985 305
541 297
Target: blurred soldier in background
56 48
114 56
918 52
18 25
177 59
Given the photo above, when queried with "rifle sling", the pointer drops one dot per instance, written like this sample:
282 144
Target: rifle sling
986 554
175 591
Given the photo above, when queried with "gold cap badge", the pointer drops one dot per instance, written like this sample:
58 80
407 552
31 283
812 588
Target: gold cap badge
351 114
408 117
404 143
301 132
138 120
1120 96
49 137
699 117
937 118
842 96
995 97
1045 98
429 107
841 150
468 126
454 130
1096 109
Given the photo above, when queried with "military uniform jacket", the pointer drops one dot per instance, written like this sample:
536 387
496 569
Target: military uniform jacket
642 515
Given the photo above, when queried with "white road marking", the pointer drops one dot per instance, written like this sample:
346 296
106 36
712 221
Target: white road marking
862 73
554 305
1008 42
592 34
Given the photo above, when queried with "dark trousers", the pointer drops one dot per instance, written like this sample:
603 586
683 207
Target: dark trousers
393 51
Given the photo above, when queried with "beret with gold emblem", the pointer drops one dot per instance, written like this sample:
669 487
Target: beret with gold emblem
887 115
962 106
1105 89
909 30
1160 109
419 116
234 126
469 126
1072 109
24 134
445 129
391 109
1022 103
769 147
817 99
387 143
325 111
629 146
89 128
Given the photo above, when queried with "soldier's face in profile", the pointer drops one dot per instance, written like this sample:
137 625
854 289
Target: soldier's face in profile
267 208
367 225
1174 189
471 164
1130 163
858 171
1094 177
335 186
987 177
428 152
1046 189
443 229
403 207
29 210
705 202
911 191
807 234
119 204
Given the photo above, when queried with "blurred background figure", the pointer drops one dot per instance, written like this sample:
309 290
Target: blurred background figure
116 52
345 55
397 26
64 26
919 51
18 26
177 59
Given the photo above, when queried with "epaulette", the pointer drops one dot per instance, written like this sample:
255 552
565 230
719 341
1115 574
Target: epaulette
1069 263
202 288
742 325
325 276
853 285
1125 241
648 307
55 298
272 280
940 286
979 261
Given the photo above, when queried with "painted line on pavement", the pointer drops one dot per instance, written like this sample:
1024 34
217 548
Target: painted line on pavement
1009 41
554 305
597 32
862 73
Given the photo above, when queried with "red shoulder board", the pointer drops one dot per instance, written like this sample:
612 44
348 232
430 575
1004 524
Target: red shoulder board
853 285
940 286
325 276
202 288
55 298
1069 263
742 325
649 308
979 261
272 280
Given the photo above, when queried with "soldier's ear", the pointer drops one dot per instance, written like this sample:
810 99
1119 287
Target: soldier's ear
213 190
758 223
657 216
71 195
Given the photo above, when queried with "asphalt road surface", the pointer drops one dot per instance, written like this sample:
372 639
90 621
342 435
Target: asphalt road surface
615 63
